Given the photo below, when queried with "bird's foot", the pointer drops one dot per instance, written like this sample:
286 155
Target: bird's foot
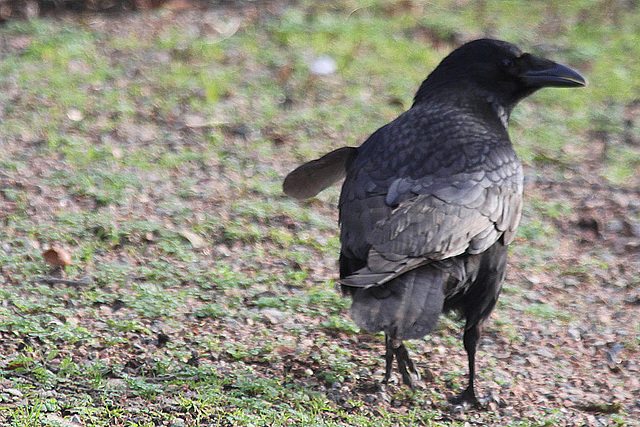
397 350
407 368
464 400
467 399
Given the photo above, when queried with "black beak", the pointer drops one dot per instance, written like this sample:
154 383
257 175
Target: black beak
545 73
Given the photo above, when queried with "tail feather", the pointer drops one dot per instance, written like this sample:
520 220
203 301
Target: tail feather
312 177
406 307
381 269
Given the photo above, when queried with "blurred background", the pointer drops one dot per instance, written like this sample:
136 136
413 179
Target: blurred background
153 273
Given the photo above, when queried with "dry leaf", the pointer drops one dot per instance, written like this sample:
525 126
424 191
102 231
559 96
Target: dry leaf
195 121
196 241
57 257
75 115
285 350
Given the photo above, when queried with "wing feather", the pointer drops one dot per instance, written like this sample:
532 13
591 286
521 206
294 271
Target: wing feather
467 216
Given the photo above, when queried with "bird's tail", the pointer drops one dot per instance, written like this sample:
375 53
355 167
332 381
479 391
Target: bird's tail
407 307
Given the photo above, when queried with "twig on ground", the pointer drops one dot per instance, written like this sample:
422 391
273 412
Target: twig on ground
56 281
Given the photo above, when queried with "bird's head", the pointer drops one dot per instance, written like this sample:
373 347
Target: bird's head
498 69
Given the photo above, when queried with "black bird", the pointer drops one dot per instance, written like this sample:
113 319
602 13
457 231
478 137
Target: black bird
432 199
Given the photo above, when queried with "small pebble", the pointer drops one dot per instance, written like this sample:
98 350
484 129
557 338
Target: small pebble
324 65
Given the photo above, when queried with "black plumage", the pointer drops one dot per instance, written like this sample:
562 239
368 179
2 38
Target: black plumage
431 200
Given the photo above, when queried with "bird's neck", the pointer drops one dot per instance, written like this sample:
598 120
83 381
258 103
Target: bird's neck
467 100
503 112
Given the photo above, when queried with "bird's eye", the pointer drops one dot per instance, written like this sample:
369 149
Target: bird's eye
507 63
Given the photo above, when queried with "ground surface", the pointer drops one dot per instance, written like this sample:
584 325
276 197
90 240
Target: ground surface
151 147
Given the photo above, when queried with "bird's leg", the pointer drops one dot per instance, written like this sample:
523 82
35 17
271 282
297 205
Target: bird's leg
388 356
404 363
470 339
468 396
395 348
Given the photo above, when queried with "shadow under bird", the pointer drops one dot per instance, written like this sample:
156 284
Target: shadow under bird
431 200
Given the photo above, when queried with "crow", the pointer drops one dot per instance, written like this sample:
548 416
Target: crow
431 200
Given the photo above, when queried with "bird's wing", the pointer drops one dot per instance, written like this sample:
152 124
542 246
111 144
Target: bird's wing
312 177
435 218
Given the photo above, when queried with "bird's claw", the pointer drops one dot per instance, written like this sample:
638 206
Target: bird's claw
406 367
467 399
